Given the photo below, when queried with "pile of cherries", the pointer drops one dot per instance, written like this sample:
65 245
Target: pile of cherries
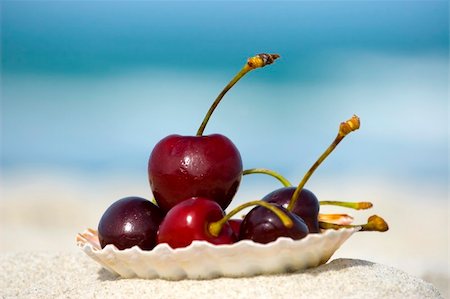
194 179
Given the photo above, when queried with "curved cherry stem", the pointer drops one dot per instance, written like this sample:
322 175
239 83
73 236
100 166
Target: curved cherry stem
363 205
344 129
272 173
215 227
374 223
260 60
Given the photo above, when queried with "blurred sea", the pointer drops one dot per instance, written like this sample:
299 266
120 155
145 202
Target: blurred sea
110 123
94 90
89 87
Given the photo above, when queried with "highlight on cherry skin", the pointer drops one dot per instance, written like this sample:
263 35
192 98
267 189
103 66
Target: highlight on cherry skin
128 222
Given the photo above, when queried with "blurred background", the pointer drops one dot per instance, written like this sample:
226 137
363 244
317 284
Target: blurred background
89 87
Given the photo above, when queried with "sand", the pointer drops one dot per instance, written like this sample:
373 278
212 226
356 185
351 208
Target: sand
74 275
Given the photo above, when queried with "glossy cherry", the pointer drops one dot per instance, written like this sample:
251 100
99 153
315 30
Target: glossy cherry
181 167
307 206
189 221
128 222
263 226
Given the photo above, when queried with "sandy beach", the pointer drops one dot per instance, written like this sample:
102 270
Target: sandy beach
40 218
51 275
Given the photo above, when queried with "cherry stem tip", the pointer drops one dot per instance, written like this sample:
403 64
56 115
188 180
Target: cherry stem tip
261 60
349 126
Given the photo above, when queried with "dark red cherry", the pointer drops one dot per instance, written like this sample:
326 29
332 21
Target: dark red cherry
189 220
307 206
210 166
181 167
262 226
128 222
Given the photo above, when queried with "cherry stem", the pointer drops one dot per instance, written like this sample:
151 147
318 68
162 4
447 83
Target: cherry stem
374 223
260 60
342 219
215 227
276 175
344 129
351 205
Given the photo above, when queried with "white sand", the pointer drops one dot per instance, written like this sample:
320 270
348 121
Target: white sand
74 275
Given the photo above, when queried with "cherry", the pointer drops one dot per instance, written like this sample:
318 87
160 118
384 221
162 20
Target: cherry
203 219
310 206
182 167
307 206
263 226
282 197
188 221
128 222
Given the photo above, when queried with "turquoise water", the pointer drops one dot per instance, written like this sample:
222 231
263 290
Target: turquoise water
92 86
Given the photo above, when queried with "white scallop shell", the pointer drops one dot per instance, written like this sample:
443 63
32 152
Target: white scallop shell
203 260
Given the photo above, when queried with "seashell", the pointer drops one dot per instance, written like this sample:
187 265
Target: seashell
203 260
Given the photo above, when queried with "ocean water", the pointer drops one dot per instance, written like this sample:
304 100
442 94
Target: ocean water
111 123
92 86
